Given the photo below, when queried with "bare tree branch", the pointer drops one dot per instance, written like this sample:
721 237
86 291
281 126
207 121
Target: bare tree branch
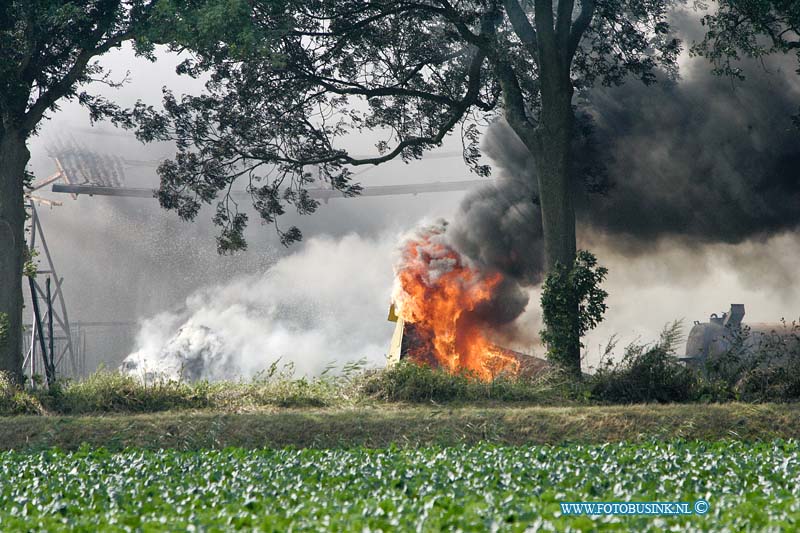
64 85
522 26
580 26
564 23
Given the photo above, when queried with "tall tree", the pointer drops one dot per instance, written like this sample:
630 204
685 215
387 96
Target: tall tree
412 71
47 52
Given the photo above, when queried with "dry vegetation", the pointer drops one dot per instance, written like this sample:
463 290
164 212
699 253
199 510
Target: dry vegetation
403 425
416 405
644 373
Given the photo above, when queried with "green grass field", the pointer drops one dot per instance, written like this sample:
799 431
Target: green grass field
749 486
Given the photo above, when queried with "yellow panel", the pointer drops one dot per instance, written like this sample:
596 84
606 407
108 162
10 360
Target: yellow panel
392 314
393 357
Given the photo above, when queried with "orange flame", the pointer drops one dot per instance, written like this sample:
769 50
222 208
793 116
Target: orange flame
437 291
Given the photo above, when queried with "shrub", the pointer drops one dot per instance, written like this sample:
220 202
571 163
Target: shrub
648 373
759 366
106 391
772 373
572 304
409 382
261 392
14 400
414 383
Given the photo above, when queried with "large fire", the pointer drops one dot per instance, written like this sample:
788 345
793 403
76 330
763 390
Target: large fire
437 292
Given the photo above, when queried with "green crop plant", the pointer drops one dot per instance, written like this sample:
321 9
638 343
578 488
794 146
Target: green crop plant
749 486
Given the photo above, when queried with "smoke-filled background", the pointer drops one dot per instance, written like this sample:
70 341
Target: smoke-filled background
701 210
695 180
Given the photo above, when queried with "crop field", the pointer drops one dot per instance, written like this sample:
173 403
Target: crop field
749 486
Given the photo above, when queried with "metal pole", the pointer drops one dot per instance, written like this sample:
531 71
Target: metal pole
83 356
35 328
50 365
37 317
33 353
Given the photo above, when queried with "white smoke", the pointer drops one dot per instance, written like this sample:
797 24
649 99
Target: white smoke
325 304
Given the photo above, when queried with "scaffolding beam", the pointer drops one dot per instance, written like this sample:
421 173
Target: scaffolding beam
316 193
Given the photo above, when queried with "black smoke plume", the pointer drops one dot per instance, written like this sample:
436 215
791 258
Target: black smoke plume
696 161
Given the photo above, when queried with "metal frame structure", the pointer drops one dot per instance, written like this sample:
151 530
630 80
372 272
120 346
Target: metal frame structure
55 311
52 342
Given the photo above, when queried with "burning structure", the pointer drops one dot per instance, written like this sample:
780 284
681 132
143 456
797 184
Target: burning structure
409 342
444 308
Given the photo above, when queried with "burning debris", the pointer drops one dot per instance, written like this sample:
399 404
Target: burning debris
440 301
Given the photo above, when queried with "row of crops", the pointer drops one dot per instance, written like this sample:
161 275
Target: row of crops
748 486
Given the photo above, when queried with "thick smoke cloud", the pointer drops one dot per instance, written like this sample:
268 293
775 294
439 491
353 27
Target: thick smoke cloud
499 226
324 305
698 161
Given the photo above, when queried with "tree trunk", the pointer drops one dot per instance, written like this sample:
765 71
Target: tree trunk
552 152
14 156
552 157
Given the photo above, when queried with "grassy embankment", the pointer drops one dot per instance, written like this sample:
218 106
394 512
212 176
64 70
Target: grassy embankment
402 424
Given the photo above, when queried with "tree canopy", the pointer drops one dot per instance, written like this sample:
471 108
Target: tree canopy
282 95
50 49
753 28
